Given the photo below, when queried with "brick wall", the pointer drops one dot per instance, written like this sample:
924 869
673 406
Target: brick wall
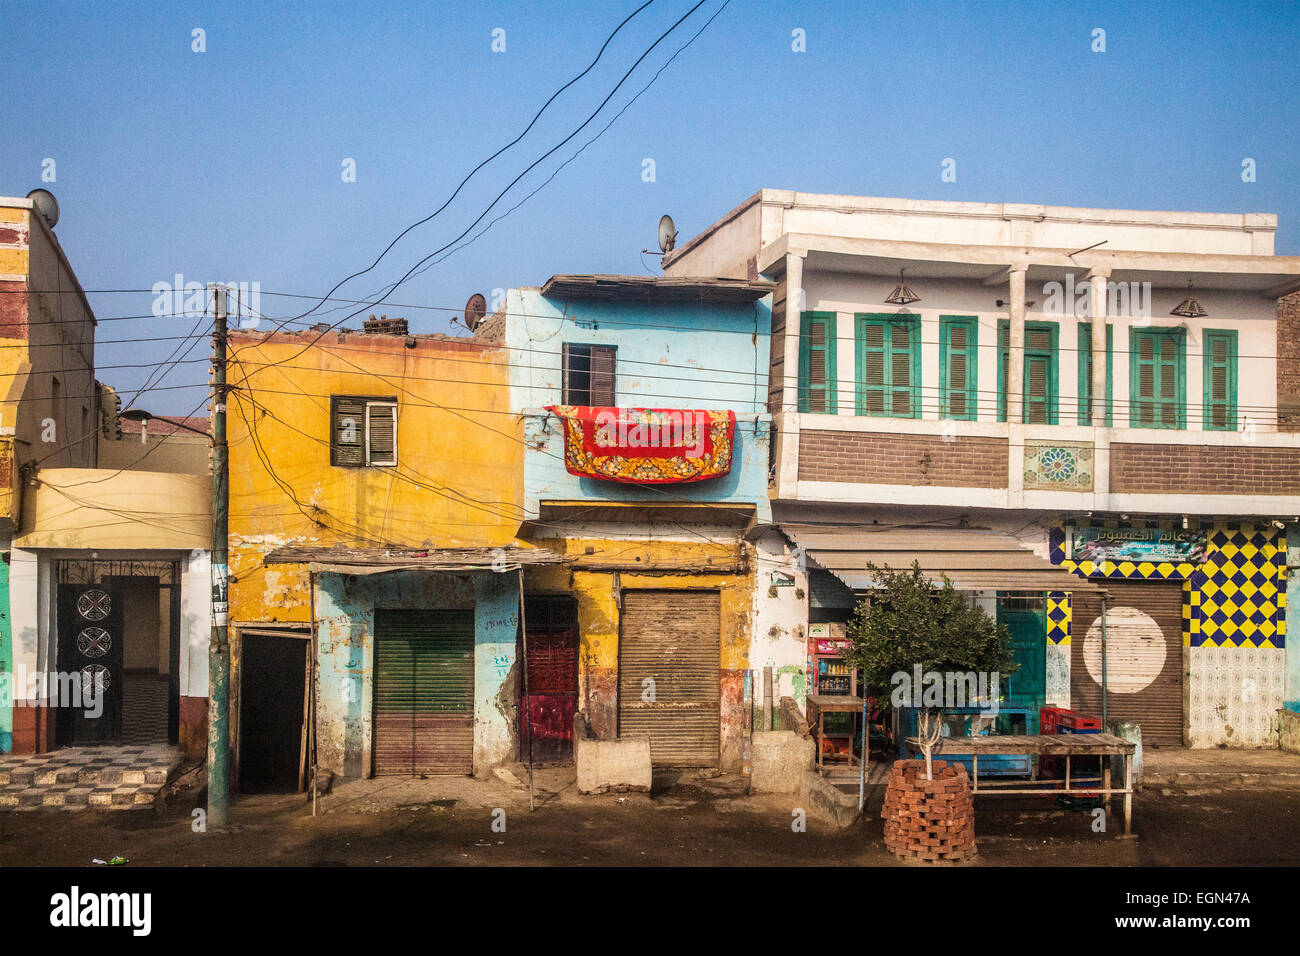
1288 363
1204 470
879 458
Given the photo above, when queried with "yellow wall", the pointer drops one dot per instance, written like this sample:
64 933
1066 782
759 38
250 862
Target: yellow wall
59 347
596 588
458 482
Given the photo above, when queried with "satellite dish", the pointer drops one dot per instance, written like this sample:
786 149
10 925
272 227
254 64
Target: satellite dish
667 234
475 309
44 202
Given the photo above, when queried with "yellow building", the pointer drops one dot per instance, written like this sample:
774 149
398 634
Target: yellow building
375 493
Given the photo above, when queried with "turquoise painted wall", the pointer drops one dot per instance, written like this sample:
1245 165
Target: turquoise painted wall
669 356
345 643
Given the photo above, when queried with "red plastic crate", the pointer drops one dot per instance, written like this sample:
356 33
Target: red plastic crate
1049 718
1079 722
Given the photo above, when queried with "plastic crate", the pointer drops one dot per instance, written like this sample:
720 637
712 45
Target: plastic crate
1070 721
1049 719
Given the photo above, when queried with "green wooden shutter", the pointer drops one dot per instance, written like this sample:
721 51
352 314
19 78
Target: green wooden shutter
888 379
347 431
1085 374
1157 386
1220 380
817 363
958 367
1004 356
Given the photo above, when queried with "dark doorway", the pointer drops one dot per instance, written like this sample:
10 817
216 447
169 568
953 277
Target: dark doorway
273 673
552 624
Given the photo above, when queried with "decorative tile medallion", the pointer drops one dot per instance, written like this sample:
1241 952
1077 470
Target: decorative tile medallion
1058 466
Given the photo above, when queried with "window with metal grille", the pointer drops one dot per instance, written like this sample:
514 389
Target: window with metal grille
889 366
1157 382
363 431
817 381
589 374
958 367
1220 379
1039 395
1085 374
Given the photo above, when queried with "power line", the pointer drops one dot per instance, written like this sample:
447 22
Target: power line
472 172
530 167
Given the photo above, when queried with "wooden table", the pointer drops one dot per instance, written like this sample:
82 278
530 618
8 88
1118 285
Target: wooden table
819 705
1049 745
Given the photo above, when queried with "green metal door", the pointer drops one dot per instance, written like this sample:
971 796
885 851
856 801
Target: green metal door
1025 617
424 692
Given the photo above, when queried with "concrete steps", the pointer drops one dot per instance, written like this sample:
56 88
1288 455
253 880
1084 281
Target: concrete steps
77 778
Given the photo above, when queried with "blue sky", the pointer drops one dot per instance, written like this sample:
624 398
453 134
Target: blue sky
226 165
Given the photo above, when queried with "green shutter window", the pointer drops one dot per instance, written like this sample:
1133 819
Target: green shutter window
889 365
1004 353
1039 394
1220 380
958 367
1085 374
817 363
1157 383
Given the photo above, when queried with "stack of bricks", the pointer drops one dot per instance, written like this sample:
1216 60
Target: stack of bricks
930 820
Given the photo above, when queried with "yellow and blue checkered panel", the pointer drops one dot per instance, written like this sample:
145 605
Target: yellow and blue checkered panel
1235 598
1058 618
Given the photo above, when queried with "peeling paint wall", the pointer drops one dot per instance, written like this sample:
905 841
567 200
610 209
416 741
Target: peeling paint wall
780 620
598 598
458 481
345 607
668 356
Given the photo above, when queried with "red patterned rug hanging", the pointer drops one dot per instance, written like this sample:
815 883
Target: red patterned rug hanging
646 445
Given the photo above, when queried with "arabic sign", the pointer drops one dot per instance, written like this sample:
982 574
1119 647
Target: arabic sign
646 445
1137 544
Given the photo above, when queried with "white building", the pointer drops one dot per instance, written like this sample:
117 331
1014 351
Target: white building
953 426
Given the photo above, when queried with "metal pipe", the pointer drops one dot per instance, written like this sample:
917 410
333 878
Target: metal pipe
866 749
1103 663
528 710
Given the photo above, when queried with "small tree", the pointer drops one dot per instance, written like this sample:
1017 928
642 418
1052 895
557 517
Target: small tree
910 621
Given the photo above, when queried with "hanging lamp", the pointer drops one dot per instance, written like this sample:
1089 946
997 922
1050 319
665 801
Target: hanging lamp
902 295
1189 308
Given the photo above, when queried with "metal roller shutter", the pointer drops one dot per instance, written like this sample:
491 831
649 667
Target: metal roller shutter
424 692
672 638
1144 657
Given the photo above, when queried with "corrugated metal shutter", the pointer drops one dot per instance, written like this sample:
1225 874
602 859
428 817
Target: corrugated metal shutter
673 638
424 692
1144 664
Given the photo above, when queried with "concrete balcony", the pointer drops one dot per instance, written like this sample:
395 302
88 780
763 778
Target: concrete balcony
996 465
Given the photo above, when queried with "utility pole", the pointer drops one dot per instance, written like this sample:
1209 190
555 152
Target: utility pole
219 648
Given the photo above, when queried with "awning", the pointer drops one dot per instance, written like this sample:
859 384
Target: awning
362 561
973 559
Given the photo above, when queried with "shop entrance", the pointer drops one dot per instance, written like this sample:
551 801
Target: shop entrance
117 625
552 626
1143 660
669 674
423 692
1025 616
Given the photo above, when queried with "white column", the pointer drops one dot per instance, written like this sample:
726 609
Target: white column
1016 351
787 418
1097 278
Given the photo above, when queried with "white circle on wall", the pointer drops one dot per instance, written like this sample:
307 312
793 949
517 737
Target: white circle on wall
1135 650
